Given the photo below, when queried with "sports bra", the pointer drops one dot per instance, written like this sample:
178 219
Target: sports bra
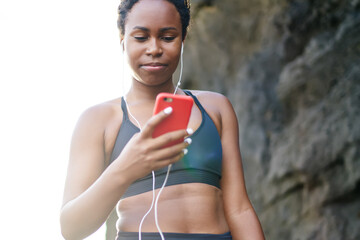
202 163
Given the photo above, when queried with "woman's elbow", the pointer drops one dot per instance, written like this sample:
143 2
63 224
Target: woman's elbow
69 229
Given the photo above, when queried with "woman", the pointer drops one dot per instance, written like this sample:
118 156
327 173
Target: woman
111 159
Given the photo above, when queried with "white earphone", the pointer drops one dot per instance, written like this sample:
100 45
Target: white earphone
122 45
181 67
155 199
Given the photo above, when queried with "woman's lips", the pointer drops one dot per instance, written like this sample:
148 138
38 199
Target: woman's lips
153 67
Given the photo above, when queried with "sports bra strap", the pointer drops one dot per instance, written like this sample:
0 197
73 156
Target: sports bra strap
187 92
124 109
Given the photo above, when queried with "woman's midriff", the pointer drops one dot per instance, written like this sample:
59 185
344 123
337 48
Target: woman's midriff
184 208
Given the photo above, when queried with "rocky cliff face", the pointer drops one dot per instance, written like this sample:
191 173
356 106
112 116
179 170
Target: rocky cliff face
292 70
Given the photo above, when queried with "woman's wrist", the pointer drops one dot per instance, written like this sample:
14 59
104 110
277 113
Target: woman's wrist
118 176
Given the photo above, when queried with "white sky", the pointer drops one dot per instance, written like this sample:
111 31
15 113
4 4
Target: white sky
56 59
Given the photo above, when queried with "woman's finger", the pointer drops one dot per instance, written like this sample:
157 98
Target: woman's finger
168 152
170 137
168 156
154 121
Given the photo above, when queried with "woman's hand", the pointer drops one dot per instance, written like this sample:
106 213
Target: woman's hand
143 153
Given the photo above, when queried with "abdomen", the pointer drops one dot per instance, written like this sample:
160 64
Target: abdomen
184 208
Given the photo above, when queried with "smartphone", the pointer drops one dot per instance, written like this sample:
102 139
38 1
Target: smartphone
178 119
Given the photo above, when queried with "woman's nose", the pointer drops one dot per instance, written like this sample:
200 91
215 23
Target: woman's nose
154 48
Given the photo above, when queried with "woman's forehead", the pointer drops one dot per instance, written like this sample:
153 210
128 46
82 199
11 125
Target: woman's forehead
153 13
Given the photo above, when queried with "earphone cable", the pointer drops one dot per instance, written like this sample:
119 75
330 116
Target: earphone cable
155 202
152 203
181 68
169 167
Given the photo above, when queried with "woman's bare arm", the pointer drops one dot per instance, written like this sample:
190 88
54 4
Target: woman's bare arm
92 189
240 214
90 193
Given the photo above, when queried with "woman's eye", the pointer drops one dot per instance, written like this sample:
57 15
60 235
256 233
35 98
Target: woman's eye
140 38
168 39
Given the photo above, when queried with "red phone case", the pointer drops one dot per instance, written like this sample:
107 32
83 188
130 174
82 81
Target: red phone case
178 119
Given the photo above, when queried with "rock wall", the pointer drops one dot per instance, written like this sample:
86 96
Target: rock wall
292 70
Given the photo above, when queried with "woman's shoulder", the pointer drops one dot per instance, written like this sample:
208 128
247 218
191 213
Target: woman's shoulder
102 113
211 99
216 105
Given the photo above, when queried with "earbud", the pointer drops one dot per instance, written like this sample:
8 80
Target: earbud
122 45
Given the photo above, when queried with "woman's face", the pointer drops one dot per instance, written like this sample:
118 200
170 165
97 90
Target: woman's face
152 41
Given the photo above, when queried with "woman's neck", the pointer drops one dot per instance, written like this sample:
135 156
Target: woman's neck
140 91
140 99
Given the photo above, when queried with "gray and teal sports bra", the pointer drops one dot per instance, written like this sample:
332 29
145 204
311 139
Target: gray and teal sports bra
202 163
